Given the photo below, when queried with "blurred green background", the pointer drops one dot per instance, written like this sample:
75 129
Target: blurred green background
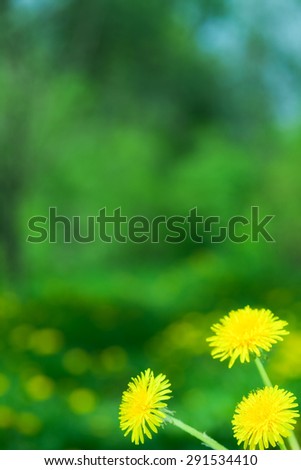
155 107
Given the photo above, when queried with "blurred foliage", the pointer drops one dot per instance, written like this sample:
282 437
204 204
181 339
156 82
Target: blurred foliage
140 105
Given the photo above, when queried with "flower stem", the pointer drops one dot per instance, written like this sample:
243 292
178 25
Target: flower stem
292 440
282 446
262 372
208 441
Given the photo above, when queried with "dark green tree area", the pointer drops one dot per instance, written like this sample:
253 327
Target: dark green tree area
155 107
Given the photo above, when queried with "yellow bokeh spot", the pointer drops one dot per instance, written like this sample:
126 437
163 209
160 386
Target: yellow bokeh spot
82 401
19 336
28 424
183 337
7 416
46 342
286 361
40 387
9 305
113 359
76 361
4 384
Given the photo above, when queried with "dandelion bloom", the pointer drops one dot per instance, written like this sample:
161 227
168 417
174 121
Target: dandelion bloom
142 405
245 331
264 418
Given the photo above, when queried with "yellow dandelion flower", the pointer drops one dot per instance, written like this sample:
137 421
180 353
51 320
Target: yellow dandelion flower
264 418
142 405
245 331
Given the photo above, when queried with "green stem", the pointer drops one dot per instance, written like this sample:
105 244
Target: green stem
292 440
282 446
208 441
262 372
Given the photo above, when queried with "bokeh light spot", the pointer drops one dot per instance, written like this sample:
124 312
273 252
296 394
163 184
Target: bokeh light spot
82 401
19 336
39 387
7 416
114 359
76 361
4 384
46 342
27 423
